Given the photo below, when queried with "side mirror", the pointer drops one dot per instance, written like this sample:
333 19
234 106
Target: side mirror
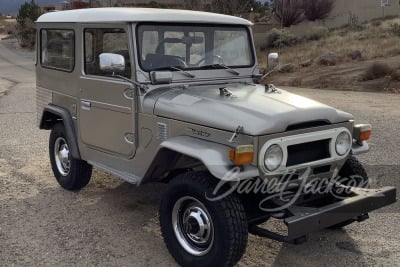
110 62
273 60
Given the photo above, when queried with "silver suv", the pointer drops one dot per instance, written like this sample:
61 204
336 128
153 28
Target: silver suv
175 97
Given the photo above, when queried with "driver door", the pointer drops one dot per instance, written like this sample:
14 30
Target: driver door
106 113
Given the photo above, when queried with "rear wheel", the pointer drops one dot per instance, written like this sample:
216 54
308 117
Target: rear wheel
200 232
71 174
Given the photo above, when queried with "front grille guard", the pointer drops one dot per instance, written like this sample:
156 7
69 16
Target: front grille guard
291 140
301 220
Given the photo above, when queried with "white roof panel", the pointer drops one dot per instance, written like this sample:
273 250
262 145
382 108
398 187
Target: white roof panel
116 14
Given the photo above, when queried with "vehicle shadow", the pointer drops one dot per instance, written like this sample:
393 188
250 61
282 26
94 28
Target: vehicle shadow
325 248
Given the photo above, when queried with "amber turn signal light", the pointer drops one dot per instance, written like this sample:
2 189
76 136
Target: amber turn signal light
241 155
362 132
364 136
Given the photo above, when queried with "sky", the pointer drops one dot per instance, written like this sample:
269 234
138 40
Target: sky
12 6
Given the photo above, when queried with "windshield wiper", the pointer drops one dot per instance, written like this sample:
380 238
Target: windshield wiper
184 72
219 65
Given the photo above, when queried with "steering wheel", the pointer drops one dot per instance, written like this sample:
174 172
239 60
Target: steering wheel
221 60
182 62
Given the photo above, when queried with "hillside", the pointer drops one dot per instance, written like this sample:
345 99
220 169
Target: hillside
362 57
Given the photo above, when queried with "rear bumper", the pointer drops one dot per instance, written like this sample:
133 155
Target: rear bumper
306 219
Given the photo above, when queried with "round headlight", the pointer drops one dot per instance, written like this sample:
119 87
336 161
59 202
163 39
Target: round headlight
273 157
343 143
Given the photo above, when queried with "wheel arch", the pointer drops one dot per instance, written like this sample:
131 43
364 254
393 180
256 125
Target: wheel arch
213 156
53 114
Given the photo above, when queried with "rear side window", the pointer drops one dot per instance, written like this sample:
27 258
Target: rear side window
57 49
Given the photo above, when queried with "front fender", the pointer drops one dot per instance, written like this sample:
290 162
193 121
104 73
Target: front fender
214 156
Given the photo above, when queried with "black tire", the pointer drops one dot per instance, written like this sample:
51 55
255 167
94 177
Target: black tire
353 169
228 221
255 216
73 175
353 173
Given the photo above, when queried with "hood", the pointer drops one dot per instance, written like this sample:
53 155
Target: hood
259 112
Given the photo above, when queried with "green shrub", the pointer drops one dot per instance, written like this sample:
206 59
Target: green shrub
27 35
280 38
375 71
26 30
317 33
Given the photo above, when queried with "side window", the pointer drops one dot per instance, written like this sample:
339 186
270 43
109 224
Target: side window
99 41
57 49
89 46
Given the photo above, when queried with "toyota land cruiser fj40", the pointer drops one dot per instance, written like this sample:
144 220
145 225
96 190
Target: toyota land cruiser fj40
175 96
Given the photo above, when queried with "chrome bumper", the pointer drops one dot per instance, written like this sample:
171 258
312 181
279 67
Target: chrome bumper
358 149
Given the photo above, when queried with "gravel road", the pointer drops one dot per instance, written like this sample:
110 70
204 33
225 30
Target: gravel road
113 223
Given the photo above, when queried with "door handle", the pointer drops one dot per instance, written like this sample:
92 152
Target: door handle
86 105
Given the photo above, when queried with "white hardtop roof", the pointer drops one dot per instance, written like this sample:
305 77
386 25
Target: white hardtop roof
117 14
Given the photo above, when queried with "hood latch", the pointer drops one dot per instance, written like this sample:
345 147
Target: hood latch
223 91
270 88
238 130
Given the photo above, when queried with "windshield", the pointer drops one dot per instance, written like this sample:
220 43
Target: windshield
193 47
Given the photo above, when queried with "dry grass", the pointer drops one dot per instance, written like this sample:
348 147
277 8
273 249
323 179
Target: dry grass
374 39
8 27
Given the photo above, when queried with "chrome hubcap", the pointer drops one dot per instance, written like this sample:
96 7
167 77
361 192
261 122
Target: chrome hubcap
61 154
193 226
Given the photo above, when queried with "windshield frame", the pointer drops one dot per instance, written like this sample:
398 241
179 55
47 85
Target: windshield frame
201 68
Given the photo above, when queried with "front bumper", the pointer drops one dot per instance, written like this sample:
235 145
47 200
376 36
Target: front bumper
359 148
304 220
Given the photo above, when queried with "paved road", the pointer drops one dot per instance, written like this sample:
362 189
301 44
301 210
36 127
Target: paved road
113 223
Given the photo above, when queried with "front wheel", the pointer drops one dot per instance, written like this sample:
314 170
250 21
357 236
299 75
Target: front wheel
71 174
198 231
352 174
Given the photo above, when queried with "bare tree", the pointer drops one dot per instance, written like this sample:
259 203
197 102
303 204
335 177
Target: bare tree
231 7
317 9
193 4
78 4
288 12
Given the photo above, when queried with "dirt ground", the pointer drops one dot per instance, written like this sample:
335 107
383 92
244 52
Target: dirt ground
113 223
